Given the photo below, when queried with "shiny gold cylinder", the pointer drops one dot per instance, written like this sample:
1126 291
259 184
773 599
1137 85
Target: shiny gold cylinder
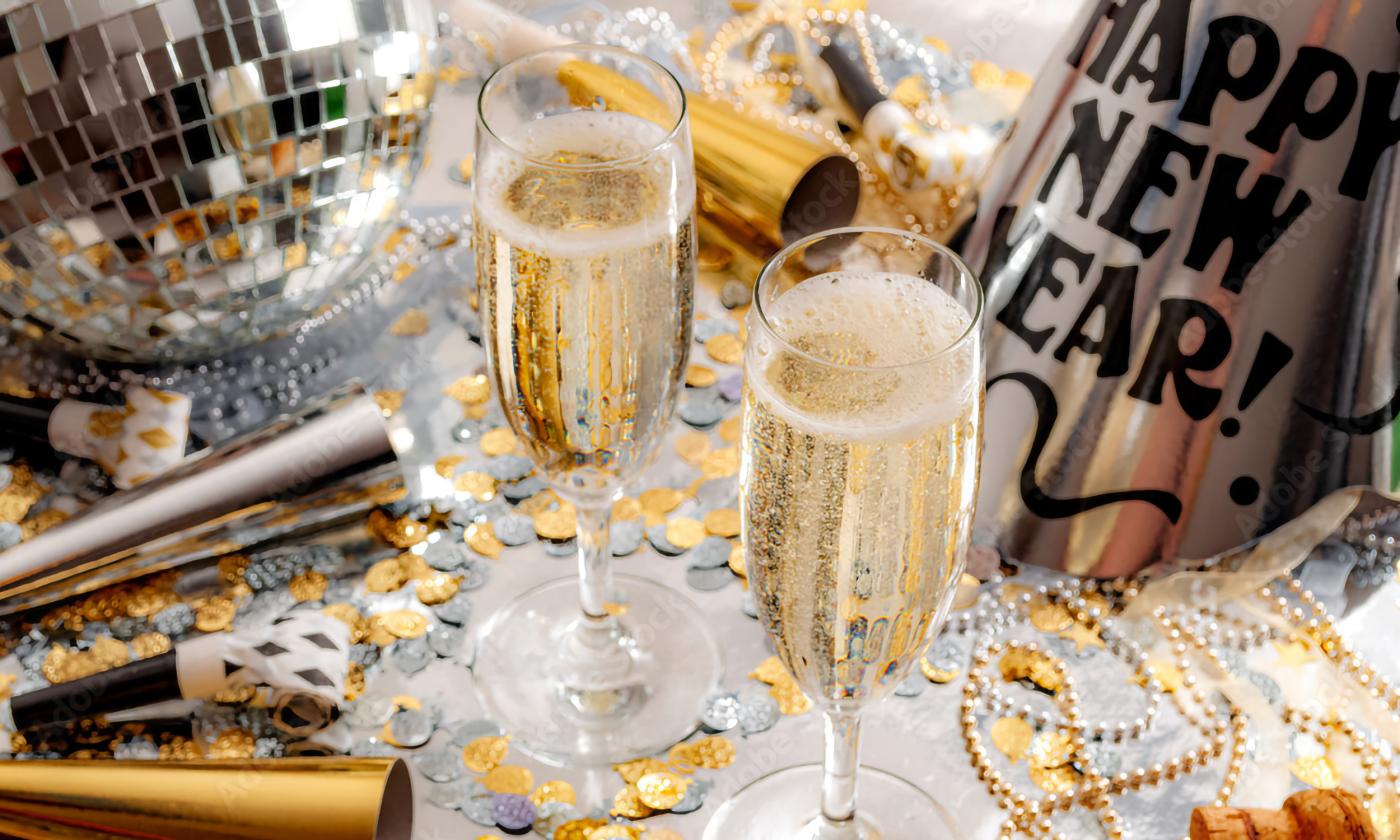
759 185
267 799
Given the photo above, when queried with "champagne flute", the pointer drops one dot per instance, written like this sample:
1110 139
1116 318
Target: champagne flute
861 433
584 197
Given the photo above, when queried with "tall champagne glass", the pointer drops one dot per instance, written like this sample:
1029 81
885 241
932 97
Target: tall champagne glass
861 433
584 197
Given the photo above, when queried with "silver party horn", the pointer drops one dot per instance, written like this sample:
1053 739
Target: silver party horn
1190 248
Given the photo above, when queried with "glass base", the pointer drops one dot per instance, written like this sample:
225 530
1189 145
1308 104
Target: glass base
786 806
571 692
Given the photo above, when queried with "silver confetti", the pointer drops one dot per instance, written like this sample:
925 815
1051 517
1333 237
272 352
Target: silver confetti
457 610
509 467
446 555
513 528
912 686
625 537
708 328
711 553
758 712
448 794
466 731
10 535
1267 687
446 641
473 576
694 798
709 580
734 294
720 711
411 727
656 535
703 409
478 809
440 765
6 476
518 491
372 748
411 655
550 815
174 620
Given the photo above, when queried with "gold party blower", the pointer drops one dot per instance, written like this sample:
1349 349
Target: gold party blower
324 798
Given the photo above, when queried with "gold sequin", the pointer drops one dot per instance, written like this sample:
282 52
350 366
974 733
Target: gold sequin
1037 668
469 390
509 778
481 537
729 429
725 348
389 401
1167 674
660 500
1316 771
555 791
693 447
308 586
1050 618
1050 749
1012 736
478 485
714 752
626 508
386 576
109 652
150 644
934 674
1056 780
402 624
486 753
578 829
738 564
720 463
500 441
723 522
616 831
437 588
214 615
232 743
631 771
628 804
413 322
661 791
699 376
684 532
770 671
400 532
558 524
447 464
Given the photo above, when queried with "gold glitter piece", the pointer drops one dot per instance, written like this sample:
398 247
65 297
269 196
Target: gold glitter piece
1050 618
350 617
1039 669
232 567
792 700
478 485
720 463
1010 593
469 390
693 447
628 804
1385 816
109 652
684 532
1012 736
737 562
935 674
509 778
1050 749
559 524
626 508
555 791
713 257
216 614
729 429
232 743
985 74
725 348
578 829
464 168
150 644
308 586
699 376
354 681
910 91
386 576
1316 771
771 671
969 588
1082 637
661 791
1166 673
447 464
406 701
437 588
486 753
400 532
632 771
411 323
500 441
714 752
660 500
1056 780
481 537
403 624
938 44
723 522
388 401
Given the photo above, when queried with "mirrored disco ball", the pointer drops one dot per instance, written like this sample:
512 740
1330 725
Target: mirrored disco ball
181 177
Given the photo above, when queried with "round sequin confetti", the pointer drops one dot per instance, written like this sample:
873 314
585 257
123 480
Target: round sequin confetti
386 576
719 712
725 348
1012 736
482 539
440 765
457 610
485 752
512 812
518 491
371 712
509 468
661 791
405 624
1048 749
174 620
656 535
411 728
478 809
694 798
702 409
555 791
436 588
708 580
628 804
684 533
625 537
731 387
499 441
509 778
447 795
446 641
513 529
444 555
579 829
758 712
473 576
466 731
723 522
549 816
711 553
699 376
411 655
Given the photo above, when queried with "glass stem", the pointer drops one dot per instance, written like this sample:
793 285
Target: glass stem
839 774
595 579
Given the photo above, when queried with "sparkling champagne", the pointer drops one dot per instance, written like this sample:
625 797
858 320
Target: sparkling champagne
587 275
861 435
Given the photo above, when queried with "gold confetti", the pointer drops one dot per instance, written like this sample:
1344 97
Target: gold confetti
729 429
1166 673
934 674
1293 653
499 441
509 778
388 401
354 681
350 617
486 753
792 700
985 74
1082 637
684 532
109 652
308 586
713 257
660 500
725 348
578 829
938 44
232 743
469 390
770 671
464 168
386 576
661 791
693 447
1050 618
478 485
1316 771
437 588
1056 780
481 537
1050 749
723 522
737 562
412 323
969 589
403 624
714 752
720 463
214 615
626 508
555 791
558 525
699 376
910 91
628 804
615 831
447 464
1012 736
150 644
1037 668
400 532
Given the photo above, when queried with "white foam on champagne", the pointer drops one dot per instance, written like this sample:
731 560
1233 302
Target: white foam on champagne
608 134
895 327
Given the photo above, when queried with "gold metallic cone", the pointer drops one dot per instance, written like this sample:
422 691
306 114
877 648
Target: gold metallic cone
759 186
324 798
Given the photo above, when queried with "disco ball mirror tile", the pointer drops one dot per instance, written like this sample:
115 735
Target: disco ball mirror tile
181 177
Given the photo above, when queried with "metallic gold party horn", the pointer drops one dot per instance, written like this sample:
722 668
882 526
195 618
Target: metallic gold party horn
257 799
